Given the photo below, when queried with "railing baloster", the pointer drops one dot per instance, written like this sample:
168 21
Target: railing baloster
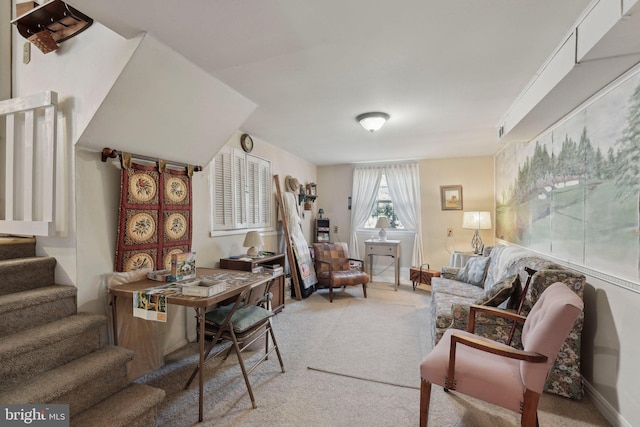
28 175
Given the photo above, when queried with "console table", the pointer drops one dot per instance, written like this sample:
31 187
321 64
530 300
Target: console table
390 248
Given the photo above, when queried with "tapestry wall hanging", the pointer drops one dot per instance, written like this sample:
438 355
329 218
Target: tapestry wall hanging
574 192
155 216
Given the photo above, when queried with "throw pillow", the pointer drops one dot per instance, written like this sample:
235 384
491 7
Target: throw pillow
474 271
500 292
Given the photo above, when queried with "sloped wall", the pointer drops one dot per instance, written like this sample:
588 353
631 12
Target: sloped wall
164 106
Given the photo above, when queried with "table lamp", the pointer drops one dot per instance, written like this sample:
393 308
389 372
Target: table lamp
252 240
476 220
382 224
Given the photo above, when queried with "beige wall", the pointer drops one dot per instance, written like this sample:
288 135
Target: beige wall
475 174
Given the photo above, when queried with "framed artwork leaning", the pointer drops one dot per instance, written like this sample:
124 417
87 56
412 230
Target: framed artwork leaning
451 197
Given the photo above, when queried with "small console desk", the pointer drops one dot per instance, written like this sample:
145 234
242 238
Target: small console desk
390 248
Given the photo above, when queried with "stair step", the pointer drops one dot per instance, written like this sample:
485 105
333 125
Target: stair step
25 310
81 383
17 247
133 406
17 275
29 353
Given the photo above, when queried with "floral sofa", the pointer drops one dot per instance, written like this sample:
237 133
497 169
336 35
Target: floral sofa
450 300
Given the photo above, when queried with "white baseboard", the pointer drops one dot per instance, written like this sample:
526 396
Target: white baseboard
605 408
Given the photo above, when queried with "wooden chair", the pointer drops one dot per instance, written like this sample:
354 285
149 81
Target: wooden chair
333 269
494 372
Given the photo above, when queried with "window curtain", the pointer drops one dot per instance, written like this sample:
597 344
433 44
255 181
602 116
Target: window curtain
403 181
364 193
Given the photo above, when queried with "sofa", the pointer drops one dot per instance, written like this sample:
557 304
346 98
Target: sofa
501 284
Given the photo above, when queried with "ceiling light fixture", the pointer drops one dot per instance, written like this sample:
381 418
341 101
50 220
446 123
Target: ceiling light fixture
372 121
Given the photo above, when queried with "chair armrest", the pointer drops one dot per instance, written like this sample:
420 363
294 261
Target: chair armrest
325 262
355 259
473 309
493 348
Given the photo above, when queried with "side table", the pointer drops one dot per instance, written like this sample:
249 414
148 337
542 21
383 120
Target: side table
277 289
459 259
390 248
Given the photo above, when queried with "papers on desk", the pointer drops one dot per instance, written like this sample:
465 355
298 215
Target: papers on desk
151 303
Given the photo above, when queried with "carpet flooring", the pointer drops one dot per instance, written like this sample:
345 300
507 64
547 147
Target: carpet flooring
353 362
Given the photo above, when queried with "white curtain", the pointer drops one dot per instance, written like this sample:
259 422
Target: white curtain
366 180
403 181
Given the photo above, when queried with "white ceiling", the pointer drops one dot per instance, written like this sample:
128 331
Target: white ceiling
446 71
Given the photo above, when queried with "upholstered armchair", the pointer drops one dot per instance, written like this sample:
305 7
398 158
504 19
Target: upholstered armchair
497 373
333 268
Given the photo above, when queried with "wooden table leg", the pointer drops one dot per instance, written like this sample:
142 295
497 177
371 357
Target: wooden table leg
201 365
114 319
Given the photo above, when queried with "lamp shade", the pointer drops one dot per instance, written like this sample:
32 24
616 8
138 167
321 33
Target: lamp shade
252 240
382 223
476 220
372 121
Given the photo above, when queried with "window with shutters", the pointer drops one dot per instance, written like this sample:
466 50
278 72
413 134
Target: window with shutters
241 191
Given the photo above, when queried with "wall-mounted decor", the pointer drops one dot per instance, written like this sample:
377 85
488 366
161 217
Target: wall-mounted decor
574 192
155 216
49 24
451 197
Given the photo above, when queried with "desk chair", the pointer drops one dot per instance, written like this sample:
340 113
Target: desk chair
241 324
494 372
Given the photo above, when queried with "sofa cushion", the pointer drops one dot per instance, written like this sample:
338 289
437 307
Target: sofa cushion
500 291
474 271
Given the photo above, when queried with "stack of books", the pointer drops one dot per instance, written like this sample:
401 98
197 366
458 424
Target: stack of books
273 269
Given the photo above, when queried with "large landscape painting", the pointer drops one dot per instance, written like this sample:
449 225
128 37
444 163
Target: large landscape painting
574 192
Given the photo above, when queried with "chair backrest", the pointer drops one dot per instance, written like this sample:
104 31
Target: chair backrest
336 253
547 326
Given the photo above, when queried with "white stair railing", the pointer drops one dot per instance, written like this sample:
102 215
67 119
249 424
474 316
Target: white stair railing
27 152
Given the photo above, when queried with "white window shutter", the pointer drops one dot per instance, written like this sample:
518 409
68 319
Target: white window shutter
222 191
239 189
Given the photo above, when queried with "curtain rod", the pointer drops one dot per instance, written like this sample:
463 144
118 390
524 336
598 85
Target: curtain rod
109 153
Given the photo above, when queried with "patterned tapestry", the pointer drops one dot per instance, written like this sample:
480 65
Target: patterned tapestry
155 216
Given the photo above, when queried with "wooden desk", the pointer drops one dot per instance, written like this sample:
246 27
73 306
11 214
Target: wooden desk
277 289
390 248
200 304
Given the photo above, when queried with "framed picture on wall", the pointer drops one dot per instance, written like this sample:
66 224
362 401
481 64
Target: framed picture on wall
451 197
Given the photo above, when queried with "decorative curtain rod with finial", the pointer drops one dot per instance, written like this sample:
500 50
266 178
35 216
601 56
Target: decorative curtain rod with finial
109 153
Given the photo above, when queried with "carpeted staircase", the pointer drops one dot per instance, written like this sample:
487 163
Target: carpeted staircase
50 353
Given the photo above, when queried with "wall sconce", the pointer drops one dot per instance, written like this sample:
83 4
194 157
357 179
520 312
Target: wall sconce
476 220
320 213
253 240
372 121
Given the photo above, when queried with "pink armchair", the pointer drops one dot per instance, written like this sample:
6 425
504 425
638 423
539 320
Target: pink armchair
494 372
